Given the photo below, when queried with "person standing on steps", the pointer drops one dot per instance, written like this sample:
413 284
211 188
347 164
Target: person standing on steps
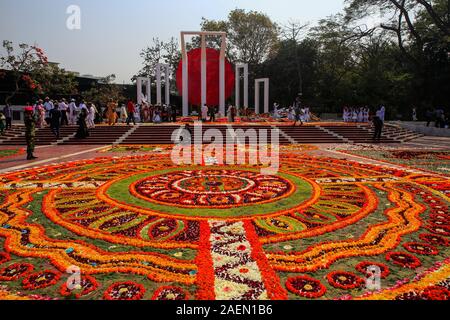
131 108
7 112
55 120
2 123
63 108
82 132
298 111
378 126
30 131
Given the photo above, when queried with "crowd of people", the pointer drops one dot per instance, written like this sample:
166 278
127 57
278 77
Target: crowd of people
356 114
439 117
143 113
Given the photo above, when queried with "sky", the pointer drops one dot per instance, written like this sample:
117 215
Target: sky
113 32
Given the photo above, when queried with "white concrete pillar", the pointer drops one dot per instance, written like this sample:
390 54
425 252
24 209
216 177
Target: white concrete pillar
159 68
148 89
244 67
158 84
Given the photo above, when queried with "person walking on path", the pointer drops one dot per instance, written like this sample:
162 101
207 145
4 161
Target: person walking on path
131 109
7 112
55 120
30 132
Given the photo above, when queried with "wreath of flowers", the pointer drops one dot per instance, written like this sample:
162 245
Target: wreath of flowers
4 257
128 290
440 219
41 280
88 284
440 230
344 280
434 239
403 259
421 248
364 265
170 293
15 271
436 293
305 286
412 295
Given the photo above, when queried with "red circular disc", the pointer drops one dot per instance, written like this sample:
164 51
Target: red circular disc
212 77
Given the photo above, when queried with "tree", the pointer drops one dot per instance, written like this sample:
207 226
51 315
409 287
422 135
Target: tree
23 66
292 33
56 81
252 36
103 91
160 52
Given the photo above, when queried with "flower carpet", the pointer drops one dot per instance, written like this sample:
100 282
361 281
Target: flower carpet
139 227
434 161
9 153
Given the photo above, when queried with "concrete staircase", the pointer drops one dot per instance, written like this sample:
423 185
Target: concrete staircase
44 136
100 135
310 135
356 133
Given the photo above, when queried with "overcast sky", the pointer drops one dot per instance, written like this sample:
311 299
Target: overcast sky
113 32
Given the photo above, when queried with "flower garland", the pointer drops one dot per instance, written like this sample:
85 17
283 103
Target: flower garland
306 287
436 293
15 271
170 293
364 266
421 248
128 290
88 284
344 280
41 280
4 257
403 259
434 239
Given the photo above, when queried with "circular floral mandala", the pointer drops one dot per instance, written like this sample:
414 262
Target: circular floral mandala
344 280
170 293
15 271
305 286
41 280
215 188
403 259
251 230
125 291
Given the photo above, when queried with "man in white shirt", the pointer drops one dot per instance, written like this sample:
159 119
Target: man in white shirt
72 112
83 106
48 106
62 106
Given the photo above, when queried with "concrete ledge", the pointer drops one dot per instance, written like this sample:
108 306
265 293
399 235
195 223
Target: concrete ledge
421 127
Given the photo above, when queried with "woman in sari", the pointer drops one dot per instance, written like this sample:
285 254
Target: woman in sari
83 131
